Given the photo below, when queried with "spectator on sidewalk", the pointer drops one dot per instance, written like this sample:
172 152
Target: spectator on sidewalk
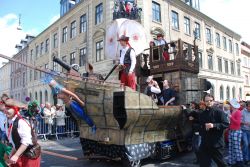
235 152
245 126
213 121
60 120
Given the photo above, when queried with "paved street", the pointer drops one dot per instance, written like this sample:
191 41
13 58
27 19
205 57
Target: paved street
68 153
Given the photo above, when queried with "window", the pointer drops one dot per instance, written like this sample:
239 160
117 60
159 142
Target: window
35 75
47 45
31 75
246 80
98 14
99 51
41 97
217 40
230 45
233 92
73 29
175 20
226 66
210 62
83 23
24 79
55 66
187 25
237 49
221 93
228 93
200 59
82 57
37 51
232 68
197 30
46 96
219 64
41 48
240 93
64 59
208 35
36 95
212 90
238 69
224 43
72 58
31 54
64 35
46 66
55 41
156 11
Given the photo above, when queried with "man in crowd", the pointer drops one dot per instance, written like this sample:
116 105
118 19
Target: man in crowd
245 126
168 94
127 63
213 121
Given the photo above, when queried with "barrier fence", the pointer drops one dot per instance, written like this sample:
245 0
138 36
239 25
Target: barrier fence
57 126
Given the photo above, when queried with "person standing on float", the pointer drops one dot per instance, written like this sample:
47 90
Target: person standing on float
127 63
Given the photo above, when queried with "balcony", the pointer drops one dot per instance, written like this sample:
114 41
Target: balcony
175 56
128 10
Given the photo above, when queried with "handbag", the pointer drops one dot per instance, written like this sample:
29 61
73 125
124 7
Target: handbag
33 151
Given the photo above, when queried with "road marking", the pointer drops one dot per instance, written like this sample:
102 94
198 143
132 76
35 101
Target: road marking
61 155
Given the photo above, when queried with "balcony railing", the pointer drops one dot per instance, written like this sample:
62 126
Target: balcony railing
127 10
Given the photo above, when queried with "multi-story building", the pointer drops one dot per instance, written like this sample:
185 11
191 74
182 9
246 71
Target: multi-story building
4 79
245 53
18 75
79 37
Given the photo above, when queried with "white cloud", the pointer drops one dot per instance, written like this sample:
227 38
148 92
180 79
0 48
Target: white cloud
9 34
233 14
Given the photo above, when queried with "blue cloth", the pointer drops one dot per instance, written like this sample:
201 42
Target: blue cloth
79 111
245 145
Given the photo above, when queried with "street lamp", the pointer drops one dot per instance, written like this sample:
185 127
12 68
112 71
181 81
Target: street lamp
73 2
19 23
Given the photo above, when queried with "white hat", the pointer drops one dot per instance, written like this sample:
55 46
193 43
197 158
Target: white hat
234 103
150 78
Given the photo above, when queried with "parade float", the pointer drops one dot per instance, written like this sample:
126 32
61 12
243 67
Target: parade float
130 126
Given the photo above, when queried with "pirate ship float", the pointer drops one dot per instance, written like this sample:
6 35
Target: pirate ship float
130 126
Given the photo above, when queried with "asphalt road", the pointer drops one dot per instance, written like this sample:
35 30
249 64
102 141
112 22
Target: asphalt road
68 153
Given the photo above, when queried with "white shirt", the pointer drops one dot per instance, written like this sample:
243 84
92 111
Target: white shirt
24 131
2 121
155 90
160 42
132 57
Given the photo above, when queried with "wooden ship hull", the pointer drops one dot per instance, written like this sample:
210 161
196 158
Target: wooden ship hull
129 124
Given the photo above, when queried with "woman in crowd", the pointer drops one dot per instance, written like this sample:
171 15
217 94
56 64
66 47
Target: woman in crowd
235 152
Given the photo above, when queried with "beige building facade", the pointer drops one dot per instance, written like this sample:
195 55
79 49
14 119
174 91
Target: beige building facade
78 37
5 81
245 53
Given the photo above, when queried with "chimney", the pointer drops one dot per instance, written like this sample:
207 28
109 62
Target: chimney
18 47
29 38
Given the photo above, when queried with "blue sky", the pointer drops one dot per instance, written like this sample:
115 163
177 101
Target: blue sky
36 15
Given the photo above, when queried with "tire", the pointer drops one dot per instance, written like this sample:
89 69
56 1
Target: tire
127 163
